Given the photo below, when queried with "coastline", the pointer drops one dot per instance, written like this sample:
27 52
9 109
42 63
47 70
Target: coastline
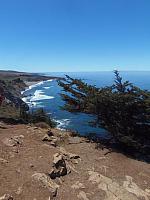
93 169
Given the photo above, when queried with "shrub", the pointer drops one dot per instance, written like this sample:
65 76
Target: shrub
38 116
123 109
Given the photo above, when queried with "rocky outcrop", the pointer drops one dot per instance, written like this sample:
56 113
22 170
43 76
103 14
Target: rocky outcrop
53 140
60 167
11 92
67 155
46 181
113 190
13 141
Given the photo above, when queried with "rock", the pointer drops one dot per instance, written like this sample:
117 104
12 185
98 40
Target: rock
45 181
20 136
59 166
9 142
75 140
19 191
73 156
31 165
77 185
35 128
18 170
58 158
53 144
113 190
6 197
13 141
133 188
50 133
3 160
40 156
68 155
74 161
46 138
52 139
82 196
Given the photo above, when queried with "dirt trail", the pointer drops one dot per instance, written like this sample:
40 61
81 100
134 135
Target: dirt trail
35 165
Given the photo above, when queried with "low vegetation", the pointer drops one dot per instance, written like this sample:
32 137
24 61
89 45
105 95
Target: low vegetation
38 117
122 109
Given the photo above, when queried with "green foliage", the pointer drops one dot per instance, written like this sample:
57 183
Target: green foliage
123 109
37 116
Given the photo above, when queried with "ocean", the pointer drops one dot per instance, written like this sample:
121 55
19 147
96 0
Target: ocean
46 95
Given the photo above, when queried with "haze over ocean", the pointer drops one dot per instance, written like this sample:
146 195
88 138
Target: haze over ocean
47 95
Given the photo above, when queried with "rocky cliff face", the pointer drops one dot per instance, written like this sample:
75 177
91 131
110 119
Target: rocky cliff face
11 90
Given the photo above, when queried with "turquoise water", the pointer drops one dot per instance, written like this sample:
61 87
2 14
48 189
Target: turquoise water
47 95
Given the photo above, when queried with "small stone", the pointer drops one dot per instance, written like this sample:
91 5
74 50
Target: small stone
77 185
40 156
82 196
46 138
74 161
18 171
19 191
53 143
3 160
31 165
35 128
73 156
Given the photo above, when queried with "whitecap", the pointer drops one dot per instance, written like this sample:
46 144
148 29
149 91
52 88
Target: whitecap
37 84
47 87
39 95
61 124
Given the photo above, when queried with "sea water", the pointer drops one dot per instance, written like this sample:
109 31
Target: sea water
46 95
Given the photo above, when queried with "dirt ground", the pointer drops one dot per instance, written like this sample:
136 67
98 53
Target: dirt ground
26 162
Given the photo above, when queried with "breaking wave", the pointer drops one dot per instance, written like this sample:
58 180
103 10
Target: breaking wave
62 124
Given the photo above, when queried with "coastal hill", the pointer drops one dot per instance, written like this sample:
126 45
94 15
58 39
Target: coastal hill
11 85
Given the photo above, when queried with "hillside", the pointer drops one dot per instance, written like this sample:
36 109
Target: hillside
39 164
11 85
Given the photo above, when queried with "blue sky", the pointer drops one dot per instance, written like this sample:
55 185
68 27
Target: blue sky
74 35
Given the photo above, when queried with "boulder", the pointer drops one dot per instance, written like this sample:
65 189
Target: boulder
75 140
59 166
46 181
